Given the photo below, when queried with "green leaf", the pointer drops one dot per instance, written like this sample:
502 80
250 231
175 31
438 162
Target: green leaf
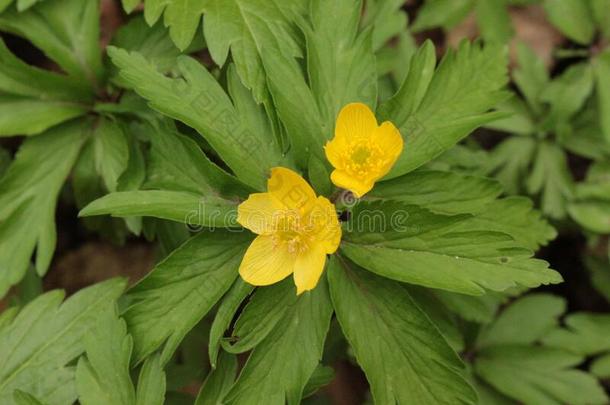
516 362
319 175
601 366
300 115
536 315
224 315
29 194
411 244
67 31
267 306
600 9
405 358
489 396
176 163
340 59
441 13
494 21
463 159
551 178
219 381
5 160
40 342
584 334
435 110
443 318
33 100
393 64
601 69
182 17
519 220
23 398
198 100
592 215
599 272
585 137
184 207
531 77
153 43
573 18
591 207
110 152
567 93
538 375
387 19
181 289
88 184
479 309
288 355
510 162
520 121
442 192
247 28
321 377
404 104
102 376
151 382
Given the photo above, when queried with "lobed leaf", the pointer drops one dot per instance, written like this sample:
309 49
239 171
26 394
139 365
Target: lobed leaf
405 358
198 100
102 376
181 289
44 337
434 109
289 354
411 244
67 31
30 189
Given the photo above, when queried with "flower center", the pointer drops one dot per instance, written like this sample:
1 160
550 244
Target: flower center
363 158
291 231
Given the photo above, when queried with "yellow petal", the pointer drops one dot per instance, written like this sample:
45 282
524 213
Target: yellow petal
388 137
290 189
265 262
326 225
335 151
259 213
351 183
355 120
308 268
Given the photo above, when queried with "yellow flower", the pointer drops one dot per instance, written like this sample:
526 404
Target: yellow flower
362 151
296 230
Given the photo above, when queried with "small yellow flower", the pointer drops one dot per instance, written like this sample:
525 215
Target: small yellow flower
296 230
362 151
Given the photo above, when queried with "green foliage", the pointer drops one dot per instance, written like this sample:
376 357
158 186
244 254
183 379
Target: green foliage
435 109
176 123
45 98
411 244
387 331
175 295
29 195
198 100
510 360
298 337
66 31
574 18
591 207
38 343
102 376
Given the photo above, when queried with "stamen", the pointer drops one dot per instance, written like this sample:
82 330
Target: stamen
363 158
